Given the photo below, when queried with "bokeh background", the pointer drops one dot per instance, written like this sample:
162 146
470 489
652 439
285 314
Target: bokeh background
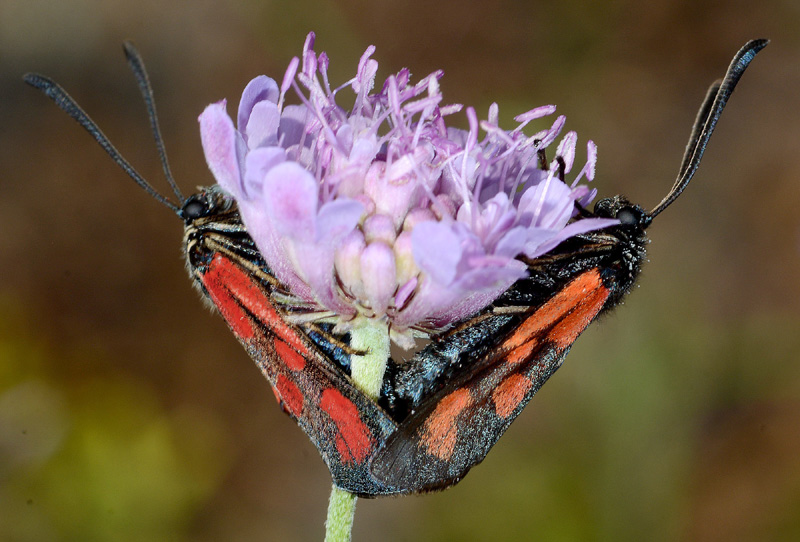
128 411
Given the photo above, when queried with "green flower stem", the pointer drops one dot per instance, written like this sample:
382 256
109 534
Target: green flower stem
367 371
341 510
367 374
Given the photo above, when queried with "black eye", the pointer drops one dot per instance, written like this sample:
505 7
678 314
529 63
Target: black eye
628 216
194 209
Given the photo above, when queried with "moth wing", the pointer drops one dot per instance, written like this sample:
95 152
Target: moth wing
343 423
454 429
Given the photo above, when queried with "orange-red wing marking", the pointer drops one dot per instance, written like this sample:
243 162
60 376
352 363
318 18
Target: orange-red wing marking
454 430
354 441
340 420
557 307
289 395
508 395
234 287
440 430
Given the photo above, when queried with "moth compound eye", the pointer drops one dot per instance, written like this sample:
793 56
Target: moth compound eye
629 216
194 209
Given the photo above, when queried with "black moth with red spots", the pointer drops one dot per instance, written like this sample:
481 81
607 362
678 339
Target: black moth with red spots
440 412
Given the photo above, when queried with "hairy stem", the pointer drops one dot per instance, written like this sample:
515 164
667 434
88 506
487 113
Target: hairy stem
341 510
367 374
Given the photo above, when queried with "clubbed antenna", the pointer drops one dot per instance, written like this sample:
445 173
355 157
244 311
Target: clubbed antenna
707 117
66 103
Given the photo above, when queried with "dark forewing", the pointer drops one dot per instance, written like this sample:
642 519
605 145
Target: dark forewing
343 423
454 429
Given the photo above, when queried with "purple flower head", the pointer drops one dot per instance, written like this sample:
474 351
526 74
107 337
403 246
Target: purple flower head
384 211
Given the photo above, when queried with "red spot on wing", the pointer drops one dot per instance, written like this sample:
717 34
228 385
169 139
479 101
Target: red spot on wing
231 286
290 395
217 286
522 352
575 305
353 441
440 431
510 393
290 357
568 329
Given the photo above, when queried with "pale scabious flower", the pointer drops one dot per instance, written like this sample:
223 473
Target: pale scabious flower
383 211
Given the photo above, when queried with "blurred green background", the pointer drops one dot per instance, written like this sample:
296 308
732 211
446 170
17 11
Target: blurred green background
129 412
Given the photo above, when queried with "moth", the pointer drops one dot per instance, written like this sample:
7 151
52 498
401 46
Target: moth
440 412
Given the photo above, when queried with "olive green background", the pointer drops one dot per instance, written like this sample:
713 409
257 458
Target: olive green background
128 411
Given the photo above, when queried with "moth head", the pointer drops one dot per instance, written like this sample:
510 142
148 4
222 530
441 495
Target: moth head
209 201
630 215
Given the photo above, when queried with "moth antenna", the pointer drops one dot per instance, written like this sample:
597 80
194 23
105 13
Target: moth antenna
66 103
699 123
137 67
707 117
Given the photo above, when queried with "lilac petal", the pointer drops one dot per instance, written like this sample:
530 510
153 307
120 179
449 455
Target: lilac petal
257 163
512 243
271 245
548 204
588 198
293 122
290 196
262 126
337 218
486 278
430 299
454 303
404 292
471 302
437 250
484 216
535 238
315 261
364 148
258 90
344 138
218 137
576 228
